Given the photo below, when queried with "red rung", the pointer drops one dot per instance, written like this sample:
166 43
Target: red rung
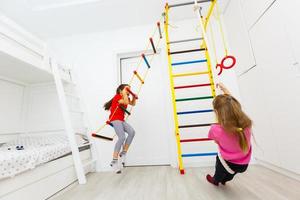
159 29
152 44
196 140
191 86
102 137
134 95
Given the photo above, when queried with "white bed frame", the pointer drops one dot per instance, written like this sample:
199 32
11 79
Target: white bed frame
45 180
34 65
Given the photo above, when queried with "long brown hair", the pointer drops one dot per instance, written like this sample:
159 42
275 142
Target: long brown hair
121 87
232 118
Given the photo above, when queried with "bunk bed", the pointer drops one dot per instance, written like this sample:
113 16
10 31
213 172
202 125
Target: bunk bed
36 164
27 152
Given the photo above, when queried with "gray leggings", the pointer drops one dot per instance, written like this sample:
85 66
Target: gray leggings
120 129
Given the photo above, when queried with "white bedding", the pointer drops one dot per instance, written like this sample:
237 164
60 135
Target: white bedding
37 150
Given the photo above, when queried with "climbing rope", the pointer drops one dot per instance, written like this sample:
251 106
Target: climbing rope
135 74
218 18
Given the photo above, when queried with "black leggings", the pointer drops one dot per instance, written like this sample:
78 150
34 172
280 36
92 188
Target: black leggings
221 174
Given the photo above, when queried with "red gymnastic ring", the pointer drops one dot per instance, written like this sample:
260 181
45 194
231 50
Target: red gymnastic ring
222 65
232 64
221 69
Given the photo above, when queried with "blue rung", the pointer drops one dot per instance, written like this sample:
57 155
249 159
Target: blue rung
193 112
199 154
146 61
189 62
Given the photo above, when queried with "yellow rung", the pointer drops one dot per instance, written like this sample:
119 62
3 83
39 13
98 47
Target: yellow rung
139 77
190 74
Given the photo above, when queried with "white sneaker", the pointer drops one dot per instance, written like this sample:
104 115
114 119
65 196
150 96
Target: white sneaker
116 167
123 159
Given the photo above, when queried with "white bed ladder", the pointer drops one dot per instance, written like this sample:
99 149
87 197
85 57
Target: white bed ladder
87 124
68 123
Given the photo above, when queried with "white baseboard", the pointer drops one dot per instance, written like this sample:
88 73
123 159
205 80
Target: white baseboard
206 163
280 170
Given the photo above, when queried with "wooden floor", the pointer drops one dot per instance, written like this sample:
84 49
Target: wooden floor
164 183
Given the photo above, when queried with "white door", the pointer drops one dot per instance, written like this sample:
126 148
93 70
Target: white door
149 118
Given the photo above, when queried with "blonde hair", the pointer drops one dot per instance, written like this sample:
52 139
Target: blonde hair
232 118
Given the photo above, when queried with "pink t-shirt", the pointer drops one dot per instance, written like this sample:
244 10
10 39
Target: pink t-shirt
229 145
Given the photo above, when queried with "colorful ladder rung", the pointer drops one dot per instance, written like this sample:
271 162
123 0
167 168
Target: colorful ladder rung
196 140
190 74
199 154
139 77
194 98
146 61
189 62
134 95
109 123
124 109
159 29
152 44
192 86
188 3
194 112
186 40
187 51
194 125
102 137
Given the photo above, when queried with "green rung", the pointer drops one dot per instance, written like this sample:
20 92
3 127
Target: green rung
195 98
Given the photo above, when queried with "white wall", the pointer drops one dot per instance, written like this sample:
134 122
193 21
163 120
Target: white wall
34 109
43 112
95 56
254 9
238 36
11 107
270 90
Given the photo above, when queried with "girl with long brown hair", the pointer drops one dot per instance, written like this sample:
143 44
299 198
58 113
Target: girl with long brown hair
232 133
116 107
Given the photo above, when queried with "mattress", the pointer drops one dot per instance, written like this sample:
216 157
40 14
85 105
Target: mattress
26 153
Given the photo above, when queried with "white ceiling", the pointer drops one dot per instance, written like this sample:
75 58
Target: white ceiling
57 18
